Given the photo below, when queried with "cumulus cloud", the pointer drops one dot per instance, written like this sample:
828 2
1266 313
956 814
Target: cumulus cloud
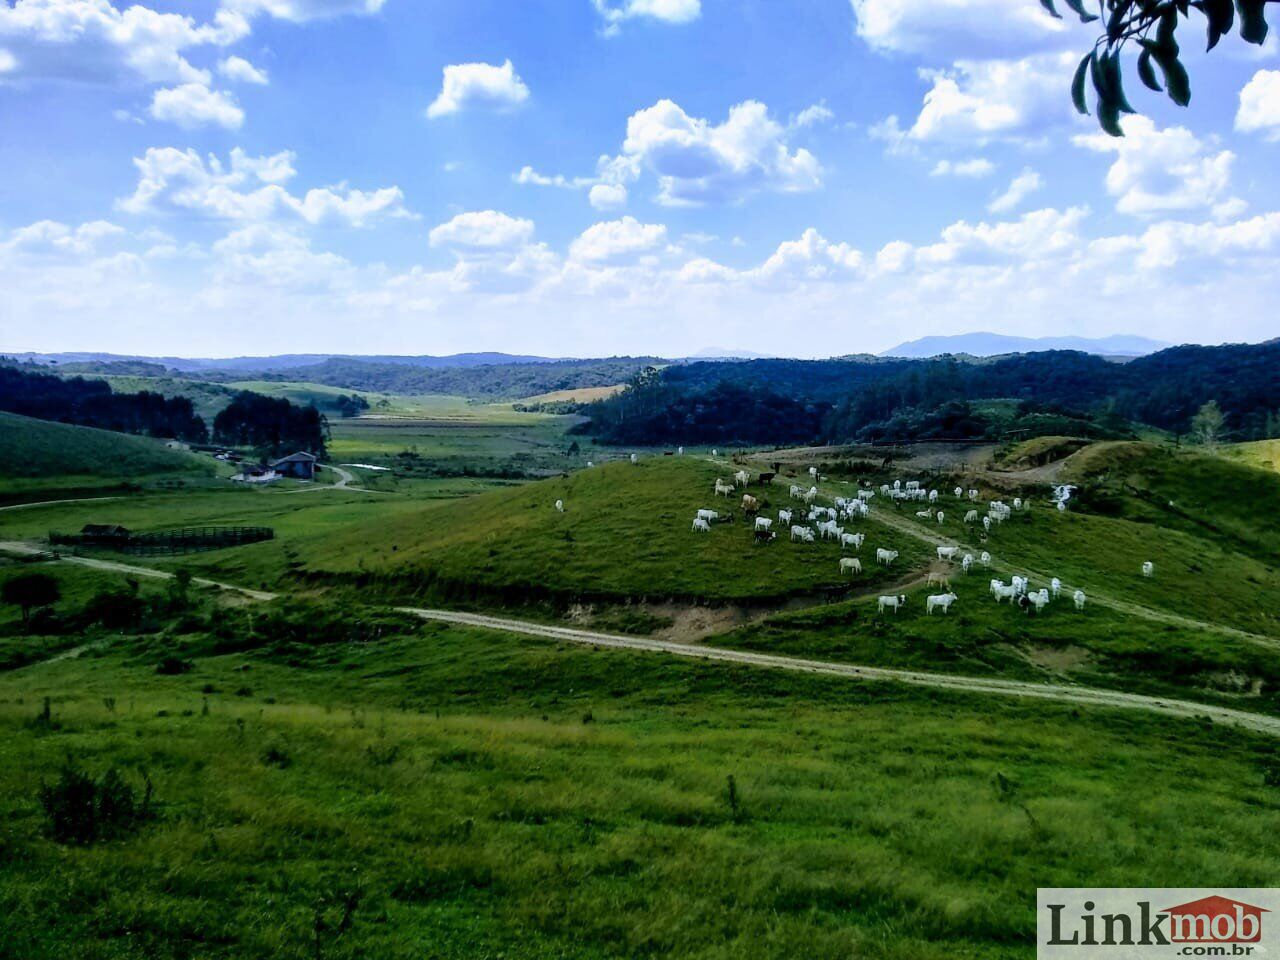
697 162
1021 187
1157 171
483 230
607 196
811 258
615 12
812 116
52 237
616 239
194 105
240 70
478 85
300 11
173 180
975 167
93 41
982 28
1260 105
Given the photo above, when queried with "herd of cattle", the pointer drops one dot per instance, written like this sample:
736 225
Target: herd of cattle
808 522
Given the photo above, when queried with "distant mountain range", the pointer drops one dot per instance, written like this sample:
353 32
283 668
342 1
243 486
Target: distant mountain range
288 361
997 344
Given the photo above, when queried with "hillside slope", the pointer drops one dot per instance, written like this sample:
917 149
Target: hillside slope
32 449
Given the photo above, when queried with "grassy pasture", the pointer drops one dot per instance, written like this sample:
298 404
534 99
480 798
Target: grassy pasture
40 455
626 532
488 795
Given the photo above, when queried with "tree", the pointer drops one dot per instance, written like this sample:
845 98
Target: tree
1153 26
1206 425
31 591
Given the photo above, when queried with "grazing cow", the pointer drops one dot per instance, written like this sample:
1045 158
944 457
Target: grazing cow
1149 569
796 493
784 517
851 540
996 585
701 526
803 534
750 505
742 478
1055 585
935 578
941 516
852 564
941 601
723 489
967 563
559 506
1001 592
924 514
947 553
764 536
886 556
763 523
1079 598
890 603
971 516
708 515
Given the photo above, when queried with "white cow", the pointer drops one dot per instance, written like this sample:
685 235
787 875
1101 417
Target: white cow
559 506
941 516
985 559
784 517
803 534
811 494
715 452
890 603
941 601
1017 503
924 514
1019 584
933 496
590 464
1062 506
813 471
701 526
959 492
1001 592
708 515
886 556
947 553
852 540
1039 599
1149 569
1055 585
680 451
1079 598
971 516
986 524
973 494
967 563
634 458
723 488
763 523
852 564
741 477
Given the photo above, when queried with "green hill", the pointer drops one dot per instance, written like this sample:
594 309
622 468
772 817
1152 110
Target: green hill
625 533
39 449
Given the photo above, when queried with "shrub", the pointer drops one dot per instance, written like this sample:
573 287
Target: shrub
173 666
80 810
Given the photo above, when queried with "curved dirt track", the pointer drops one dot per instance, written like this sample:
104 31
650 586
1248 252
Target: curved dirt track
1063 694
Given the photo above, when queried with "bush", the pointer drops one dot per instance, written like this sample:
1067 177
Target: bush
173 667
80 810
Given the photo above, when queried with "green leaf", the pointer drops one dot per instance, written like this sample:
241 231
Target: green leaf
1115 82
1253 23
1146 73
1077 85
1084 15
1109 118
1048 5
1176 81
1221 15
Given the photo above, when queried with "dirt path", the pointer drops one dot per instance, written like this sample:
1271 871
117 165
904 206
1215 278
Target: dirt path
1063 694
48 503
21 549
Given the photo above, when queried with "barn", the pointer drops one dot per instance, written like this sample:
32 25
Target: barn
299 466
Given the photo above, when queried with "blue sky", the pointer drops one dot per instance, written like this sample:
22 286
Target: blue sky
587 177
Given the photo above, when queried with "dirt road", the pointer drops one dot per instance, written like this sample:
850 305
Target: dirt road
1086 696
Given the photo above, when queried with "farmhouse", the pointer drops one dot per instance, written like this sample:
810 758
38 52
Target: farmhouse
300 466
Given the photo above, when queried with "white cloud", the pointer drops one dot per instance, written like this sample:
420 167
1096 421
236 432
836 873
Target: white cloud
1164 245
194 105
1157 171
8 62
981 28
51 237
809 259
812 116
93 41
269 255
615 239
1021 187
1260 105
608 196
975 167
614 14
170 180
478 84
240 70
300 11
483 230
699 163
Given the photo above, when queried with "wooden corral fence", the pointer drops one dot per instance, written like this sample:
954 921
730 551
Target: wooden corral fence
167 542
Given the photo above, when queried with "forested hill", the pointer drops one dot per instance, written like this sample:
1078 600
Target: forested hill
872 398
503 381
